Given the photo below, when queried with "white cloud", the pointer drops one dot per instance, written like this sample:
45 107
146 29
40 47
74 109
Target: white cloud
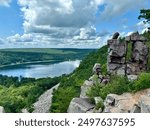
114 8
68 23
19 38
60 22
5 3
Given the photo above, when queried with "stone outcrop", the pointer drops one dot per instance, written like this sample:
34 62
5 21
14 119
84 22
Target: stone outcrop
85 88
128 103
117 55
80 105
144 104
97 69
44 102
2 110
118 62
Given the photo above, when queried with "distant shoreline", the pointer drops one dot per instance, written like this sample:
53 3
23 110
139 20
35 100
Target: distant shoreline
28 63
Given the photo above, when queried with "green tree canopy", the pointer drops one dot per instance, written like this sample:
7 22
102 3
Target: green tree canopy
145 13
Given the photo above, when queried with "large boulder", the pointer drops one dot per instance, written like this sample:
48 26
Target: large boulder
119 103
115 35
144 104
85 88
2 110
132 77
115 68
80 105
117 49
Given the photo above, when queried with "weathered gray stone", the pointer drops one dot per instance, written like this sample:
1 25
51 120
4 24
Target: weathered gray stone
118 103
114 68
144 104
80 105
116 49
135 36
85 88
132 77
127 38
117 55
110 99
98 99
135 109
133 69
24 110
2 110
44 102
140 49
97 68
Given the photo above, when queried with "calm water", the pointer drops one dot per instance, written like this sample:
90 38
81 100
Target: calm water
41 70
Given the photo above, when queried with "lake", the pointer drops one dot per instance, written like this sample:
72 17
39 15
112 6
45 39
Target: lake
41 70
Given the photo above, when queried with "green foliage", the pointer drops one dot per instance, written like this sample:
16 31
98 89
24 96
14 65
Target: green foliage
143 82
61 98
100 104
70 85
11 57
120 85
14 98
145 13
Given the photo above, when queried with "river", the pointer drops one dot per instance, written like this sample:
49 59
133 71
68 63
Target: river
41 70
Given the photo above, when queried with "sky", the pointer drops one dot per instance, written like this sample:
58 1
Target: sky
67 23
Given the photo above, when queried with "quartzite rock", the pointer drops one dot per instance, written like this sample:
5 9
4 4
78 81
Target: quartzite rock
2 110
80 105
144 104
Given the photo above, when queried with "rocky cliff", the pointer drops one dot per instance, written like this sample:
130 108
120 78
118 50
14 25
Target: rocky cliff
118 63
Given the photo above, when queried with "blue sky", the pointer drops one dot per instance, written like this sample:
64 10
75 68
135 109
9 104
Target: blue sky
67 23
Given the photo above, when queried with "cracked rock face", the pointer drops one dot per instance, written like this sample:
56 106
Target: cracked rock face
128 103
117 55
145 104
80 105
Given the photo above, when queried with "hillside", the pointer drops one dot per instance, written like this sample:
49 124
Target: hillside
70 86
34 55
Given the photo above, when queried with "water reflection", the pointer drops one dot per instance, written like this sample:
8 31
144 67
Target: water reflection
41 70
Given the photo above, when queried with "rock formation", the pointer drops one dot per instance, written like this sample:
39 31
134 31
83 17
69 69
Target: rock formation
2 110
117 55
117 63
128 103
44 102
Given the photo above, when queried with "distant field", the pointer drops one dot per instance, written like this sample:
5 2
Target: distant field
29 55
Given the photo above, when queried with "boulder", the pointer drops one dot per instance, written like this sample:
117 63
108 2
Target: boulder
135 36
133 69
2 110
115 68
118 103
140 51
80 105
115 36
97 69
132 77
85 88
117 49
135 109
144 104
